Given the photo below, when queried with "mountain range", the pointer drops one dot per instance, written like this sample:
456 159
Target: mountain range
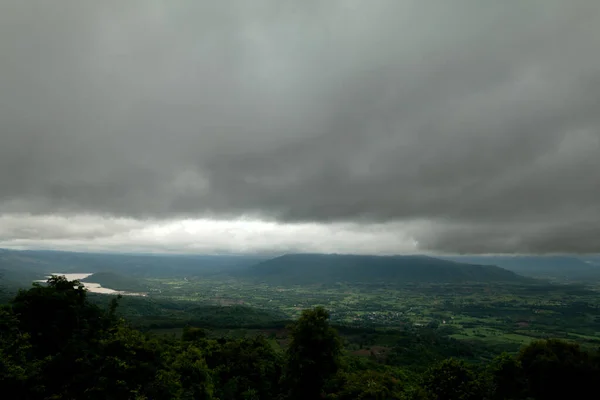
564 267
331 268
22 267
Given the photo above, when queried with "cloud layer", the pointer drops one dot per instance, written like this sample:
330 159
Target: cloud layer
88 233
464 126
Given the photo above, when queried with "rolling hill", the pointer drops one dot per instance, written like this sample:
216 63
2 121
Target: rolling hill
331 268
116 281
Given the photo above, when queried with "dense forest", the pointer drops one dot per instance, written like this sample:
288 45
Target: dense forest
57 344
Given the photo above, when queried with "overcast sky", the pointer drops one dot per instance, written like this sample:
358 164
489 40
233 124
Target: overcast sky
316 125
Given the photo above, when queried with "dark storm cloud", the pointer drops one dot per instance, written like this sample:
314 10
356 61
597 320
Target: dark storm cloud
481 118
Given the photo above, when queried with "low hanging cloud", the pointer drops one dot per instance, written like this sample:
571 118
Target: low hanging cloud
457 126
240 236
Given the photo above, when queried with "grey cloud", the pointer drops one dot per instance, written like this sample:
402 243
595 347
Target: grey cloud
93 233
42 228
481 118
503 238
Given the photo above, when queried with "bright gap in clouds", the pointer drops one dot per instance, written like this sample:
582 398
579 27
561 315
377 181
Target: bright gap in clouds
200 236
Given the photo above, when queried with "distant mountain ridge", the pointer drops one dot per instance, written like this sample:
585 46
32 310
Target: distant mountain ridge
331 268
556 266
24 265
115 281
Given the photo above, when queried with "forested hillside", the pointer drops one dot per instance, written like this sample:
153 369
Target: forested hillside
331 268
115 281
56 344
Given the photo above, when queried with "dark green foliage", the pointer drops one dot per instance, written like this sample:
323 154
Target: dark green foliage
422 348
556 369
56 344
14 349
507 379
191 334
366 385
149 312
244 369
189 376
313 354
56 315
330 268
453 380
124 362
234 317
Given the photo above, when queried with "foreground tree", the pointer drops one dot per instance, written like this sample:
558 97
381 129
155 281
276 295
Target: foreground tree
55 344
15 370
506 378
367 385
556 369
453 380
247 368
313 355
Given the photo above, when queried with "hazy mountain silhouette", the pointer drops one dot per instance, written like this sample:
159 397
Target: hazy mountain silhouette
329 268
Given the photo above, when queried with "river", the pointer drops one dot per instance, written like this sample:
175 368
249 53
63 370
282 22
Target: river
94 287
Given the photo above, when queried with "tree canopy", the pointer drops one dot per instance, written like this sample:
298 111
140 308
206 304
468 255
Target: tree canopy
56 344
